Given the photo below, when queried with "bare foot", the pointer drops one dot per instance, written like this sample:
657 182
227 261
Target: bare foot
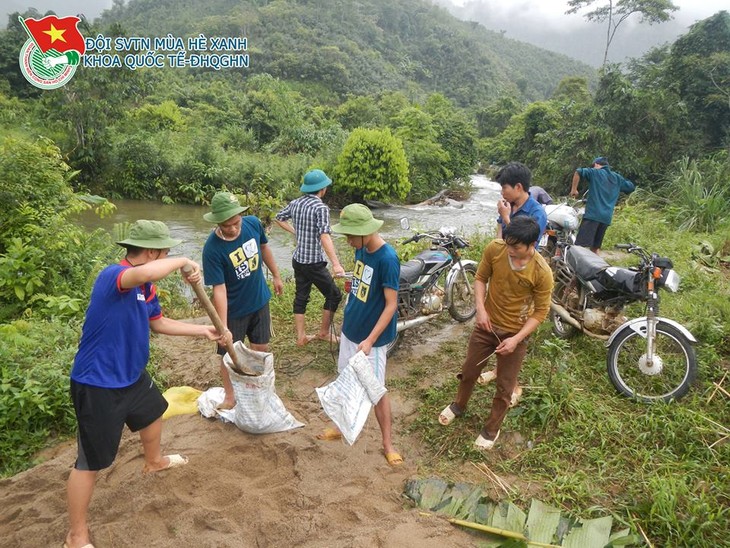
228 403
305 340
329 337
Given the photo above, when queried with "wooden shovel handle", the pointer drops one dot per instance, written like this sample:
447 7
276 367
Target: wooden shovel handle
218 324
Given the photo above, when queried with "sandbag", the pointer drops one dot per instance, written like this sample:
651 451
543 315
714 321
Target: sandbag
182 400
563 215
258 410
348 399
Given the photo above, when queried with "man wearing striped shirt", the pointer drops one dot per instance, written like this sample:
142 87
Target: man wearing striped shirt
310 223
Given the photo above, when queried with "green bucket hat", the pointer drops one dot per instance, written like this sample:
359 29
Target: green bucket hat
314 180
357 220
149 235
224 205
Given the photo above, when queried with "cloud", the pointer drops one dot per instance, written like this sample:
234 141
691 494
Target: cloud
545 24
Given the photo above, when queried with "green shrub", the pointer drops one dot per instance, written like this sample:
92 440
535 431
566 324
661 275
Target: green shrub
373 165
35 360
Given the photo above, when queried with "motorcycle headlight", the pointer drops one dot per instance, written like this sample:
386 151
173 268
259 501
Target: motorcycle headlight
672 280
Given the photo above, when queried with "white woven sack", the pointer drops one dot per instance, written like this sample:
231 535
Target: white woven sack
259 410
346 401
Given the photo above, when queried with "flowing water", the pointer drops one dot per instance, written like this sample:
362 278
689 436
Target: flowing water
477 214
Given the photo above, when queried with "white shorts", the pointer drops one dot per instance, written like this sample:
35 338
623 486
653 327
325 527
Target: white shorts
377 357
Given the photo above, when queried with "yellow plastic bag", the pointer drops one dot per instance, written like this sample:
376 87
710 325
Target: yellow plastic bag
182 400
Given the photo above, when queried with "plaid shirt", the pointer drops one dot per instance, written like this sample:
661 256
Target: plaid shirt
311 218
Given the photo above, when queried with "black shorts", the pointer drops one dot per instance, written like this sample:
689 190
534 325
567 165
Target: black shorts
101 414
590 233
256 326
315 273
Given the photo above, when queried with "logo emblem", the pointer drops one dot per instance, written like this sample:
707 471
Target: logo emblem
53 51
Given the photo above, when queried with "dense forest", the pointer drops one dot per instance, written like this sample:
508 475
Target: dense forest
344 86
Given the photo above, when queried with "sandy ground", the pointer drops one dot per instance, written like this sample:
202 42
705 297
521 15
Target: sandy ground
286 489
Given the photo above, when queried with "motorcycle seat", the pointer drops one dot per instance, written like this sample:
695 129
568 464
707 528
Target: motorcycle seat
410 271
586 264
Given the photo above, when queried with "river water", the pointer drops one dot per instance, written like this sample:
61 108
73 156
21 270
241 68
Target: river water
478 214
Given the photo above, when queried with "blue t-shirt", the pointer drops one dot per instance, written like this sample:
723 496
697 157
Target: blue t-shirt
115 339
238 265
604 188
532 209
373 272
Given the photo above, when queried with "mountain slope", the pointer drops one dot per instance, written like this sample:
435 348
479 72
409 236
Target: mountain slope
360 47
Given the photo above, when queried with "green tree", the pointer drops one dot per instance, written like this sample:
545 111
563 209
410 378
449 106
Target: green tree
614 13
373 165
455 133
43 255
572 88
426 157
699 68
494 118
360 111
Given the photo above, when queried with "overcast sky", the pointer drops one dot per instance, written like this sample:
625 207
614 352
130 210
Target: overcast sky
544 23
540 22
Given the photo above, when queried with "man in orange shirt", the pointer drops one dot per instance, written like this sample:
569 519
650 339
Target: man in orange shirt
512 291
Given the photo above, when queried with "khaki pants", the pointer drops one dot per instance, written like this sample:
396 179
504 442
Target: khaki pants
482 344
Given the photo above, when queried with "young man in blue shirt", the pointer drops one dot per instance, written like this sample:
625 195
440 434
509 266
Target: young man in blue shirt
109 384
371 311
604 188
515 180
232 257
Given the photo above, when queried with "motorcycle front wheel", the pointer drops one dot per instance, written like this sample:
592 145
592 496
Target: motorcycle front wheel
668 378
462 305
561 295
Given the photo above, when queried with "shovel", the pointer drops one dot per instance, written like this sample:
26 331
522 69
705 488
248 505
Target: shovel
218 324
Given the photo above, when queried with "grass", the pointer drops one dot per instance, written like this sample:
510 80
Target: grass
574 443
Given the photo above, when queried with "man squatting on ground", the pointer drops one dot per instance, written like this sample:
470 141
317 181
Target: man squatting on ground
512 291
232 257
604 187
370 317
311 226
109 384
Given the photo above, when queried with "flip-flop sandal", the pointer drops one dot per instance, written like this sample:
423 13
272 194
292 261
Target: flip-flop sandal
484 444
487 376
84 546
449 413
394 458
329 434
516 395
174 461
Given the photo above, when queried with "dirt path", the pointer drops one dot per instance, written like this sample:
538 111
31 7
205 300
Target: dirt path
287 489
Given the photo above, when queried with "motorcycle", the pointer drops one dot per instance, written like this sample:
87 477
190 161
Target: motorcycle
435 280
650 358
562 227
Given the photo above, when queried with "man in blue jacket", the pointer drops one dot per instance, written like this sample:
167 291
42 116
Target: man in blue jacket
604 188
516 201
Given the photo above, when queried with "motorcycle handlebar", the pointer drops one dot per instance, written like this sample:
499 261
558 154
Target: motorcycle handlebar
625 246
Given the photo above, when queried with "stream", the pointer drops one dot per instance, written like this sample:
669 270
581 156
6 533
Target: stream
477 214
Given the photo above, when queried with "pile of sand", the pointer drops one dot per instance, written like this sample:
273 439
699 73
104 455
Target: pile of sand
286 489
